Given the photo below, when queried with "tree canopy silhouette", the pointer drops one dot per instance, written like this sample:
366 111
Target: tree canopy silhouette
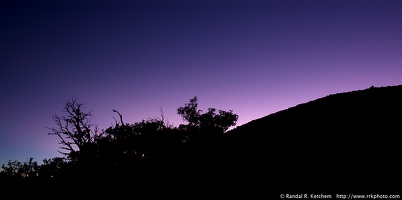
124 149
209 122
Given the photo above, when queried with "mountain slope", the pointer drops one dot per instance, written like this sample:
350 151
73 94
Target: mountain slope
341 142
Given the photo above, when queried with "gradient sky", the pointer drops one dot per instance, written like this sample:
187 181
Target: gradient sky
252 57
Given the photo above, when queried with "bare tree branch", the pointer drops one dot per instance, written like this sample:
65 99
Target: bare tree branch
120 115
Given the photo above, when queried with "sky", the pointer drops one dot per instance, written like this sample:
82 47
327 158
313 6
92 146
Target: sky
138 57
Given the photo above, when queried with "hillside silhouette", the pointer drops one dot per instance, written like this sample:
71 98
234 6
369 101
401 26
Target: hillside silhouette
341 143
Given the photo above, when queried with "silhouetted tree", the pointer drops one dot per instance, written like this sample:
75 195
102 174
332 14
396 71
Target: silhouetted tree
190 113
209 122
205 132
75 131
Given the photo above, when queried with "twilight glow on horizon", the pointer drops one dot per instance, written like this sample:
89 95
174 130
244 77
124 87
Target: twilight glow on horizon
253 57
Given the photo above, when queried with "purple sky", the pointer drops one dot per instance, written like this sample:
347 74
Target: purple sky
252 57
